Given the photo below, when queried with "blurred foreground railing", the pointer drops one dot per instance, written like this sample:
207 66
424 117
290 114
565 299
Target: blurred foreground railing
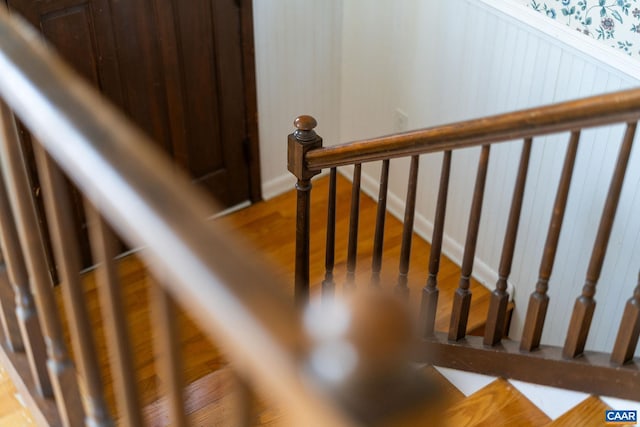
132 191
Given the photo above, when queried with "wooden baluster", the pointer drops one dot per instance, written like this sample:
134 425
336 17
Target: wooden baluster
246 405
62 373
299 143
378 240
168 356
8 318
407 228
496 316
303 229
430 292
104 249
26 313
585 304
462 297
539 300
354 217
629 330
328 284
63 235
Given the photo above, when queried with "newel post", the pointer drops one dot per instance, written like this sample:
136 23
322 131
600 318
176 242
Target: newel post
303 139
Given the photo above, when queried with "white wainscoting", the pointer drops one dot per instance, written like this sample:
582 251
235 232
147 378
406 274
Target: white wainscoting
446 61
298 47
352 63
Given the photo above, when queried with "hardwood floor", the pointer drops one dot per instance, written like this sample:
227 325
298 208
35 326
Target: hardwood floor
589 413
199 354
12 413
498 405
268 228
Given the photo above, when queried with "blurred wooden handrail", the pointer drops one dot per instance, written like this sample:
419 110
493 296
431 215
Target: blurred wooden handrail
617 107
232 296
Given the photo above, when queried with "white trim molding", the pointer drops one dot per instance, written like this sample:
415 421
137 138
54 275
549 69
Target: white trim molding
278 185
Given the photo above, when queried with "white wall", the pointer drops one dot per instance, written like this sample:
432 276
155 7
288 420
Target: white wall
351 63
447 61
297 44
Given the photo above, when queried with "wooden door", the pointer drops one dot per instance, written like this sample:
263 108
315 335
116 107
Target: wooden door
182 70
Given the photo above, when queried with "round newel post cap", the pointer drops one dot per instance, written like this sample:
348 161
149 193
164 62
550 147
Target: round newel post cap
305 123
304 128
302 140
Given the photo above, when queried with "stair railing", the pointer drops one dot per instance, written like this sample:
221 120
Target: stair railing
610 374
132 191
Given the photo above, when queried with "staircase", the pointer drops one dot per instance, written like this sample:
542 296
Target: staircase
471 399
210 402
348 368
484 400
210 392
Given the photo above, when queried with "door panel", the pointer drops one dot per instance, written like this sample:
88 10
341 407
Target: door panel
140 68
175 67
74 27
179 69
209 36
202 114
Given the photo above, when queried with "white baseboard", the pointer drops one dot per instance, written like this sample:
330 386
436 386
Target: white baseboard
551 400
282 184
276 186
467 382
453 249
231 210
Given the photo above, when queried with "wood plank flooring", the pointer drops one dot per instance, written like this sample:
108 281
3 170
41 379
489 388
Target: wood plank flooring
12 413
497 405
269 228
589 413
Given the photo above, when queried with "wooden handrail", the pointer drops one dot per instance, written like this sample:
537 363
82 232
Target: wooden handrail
232 296
616 107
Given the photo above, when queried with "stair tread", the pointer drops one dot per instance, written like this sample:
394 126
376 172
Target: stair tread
589 413
497 404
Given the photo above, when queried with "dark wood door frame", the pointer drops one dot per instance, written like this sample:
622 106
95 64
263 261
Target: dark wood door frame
249 68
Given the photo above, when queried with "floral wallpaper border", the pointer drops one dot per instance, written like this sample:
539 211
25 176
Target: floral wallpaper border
615 23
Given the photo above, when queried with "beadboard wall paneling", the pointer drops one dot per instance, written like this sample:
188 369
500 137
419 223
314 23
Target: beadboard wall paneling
298 52
447 61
